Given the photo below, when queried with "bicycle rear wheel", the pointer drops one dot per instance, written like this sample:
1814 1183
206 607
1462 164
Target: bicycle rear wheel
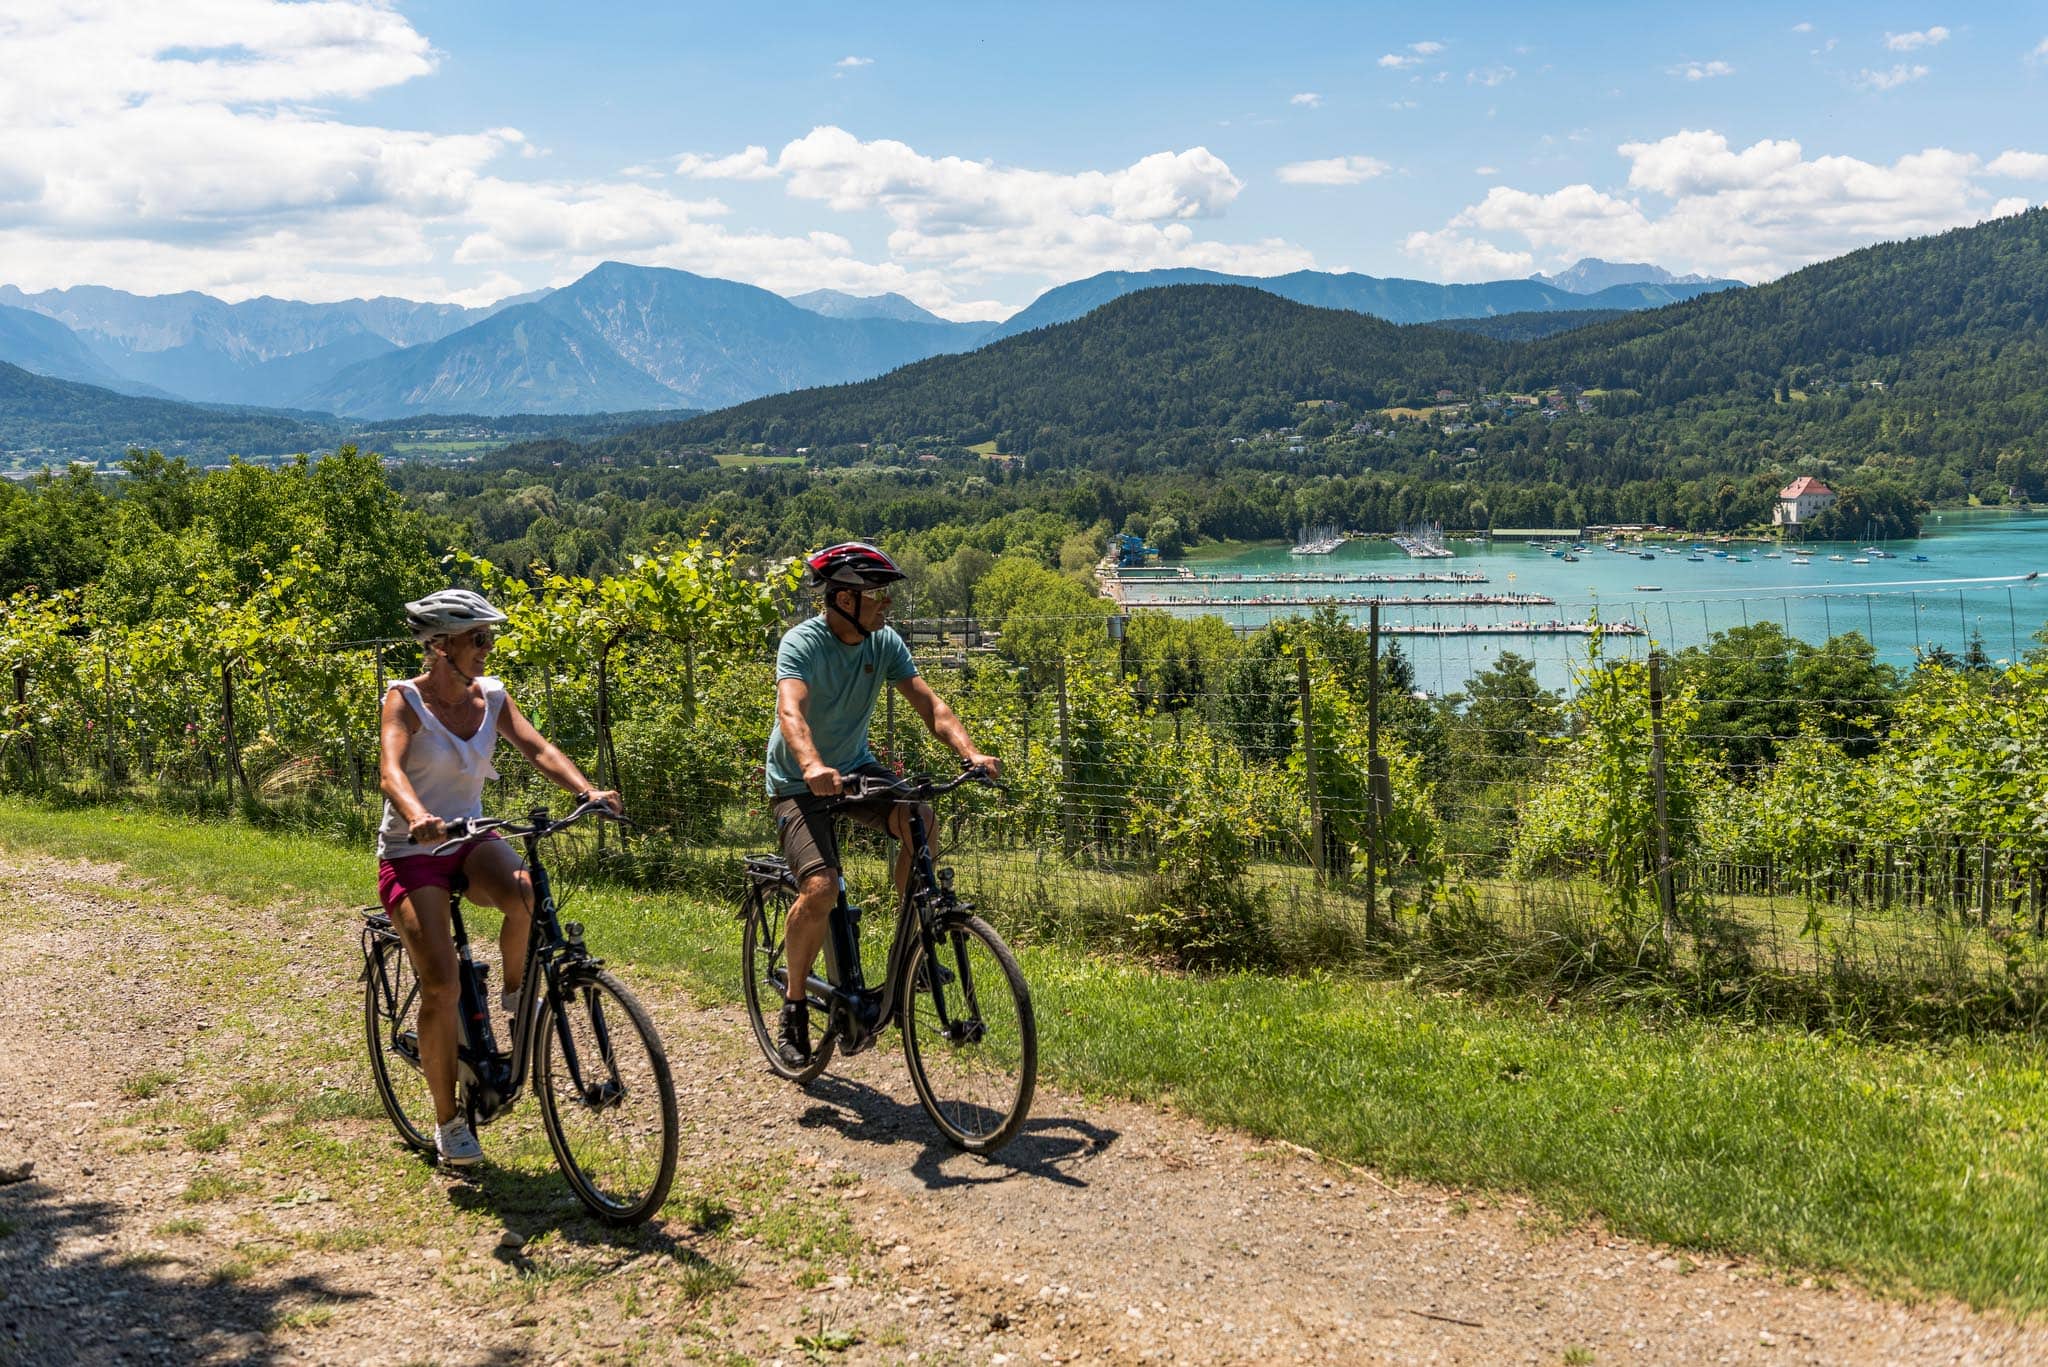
969 1035
391 1026
763 967
606 1099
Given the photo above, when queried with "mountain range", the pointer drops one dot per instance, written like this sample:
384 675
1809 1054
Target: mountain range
1392 299
621 338
1591 275
1929 353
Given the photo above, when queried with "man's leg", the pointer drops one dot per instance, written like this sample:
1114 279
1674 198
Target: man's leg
809 918
899 826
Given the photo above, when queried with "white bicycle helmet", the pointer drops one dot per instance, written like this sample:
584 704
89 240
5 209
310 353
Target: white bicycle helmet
447 612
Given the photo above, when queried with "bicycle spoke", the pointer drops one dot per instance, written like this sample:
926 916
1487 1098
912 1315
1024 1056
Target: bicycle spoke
971 1043
391 1027
607 1100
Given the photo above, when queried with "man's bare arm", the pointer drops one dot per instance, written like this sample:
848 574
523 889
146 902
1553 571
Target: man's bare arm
944 723
792 698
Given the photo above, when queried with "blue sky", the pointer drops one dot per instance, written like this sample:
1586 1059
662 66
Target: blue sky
971 157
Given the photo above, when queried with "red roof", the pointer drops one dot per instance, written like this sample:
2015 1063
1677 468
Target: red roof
1805 484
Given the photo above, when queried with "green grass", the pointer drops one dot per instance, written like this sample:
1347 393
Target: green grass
1910 1166
736 459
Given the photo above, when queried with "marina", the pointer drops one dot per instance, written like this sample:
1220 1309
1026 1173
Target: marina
1434 600
1423 542
1963 577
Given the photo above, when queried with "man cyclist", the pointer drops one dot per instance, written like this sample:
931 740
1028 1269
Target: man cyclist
828 672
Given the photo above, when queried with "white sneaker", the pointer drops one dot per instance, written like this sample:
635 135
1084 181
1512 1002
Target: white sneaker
457 1145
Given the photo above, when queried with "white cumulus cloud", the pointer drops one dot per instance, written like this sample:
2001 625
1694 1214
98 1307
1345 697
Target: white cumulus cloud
1333 171
1899 74
1490 76
1802 28
1696 203
750 164
1701 71
849 63
1426 48
2020 165
1394 61
1911 42
1307 98
210 145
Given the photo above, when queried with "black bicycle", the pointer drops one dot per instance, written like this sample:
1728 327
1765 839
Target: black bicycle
969 1036
600 1073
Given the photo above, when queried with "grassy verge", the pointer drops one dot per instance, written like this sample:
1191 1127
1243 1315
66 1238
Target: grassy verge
1914 1168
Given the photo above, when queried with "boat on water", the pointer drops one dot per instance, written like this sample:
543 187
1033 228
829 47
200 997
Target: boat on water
1771 555
1720 555
1801 560
1318 541
1861 560
1647 555
1697 559
1838 558
1921 558
1649 588
1570 558
1740 559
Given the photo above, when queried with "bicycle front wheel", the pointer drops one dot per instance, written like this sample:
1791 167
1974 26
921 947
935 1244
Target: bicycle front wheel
969 1035
606 1099
391 1026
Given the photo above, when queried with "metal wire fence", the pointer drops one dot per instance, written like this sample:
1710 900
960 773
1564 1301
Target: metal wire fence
1828 804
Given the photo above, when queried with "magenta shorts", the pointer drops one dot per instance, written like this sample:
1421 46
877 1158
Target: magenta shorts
398 878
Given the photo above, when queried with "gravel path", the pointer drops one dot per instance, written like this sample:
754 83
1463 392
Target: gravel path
209 1184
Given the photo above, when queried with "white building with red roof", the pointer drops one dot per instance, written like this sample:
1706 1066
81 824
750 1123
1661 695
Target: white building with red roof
1800 500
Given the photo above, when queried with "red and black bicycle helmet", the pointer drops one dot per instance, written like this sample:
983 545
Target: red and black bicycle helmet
852 565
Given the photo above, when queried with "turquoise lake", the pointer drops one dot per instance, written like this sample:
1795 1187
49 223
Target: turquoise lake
1972 583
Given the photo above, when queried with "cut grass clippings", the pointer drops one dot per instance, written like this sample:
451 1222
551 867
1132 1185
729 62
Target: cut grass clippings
1917 1167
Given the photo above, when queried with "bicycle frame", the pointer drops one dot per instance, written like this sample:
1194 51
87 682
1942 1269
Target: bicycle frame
555 956
919 918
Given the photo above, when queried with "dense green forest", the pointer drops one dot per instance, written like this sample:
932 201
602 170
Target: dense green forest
51 421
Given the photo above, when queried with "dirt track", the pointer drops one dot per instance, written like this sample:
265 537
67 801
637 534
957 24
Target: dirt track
211 1182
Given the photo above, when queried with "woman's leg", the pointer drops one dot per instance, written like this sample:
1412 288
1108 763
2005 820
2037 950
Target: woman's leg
422 921
498 878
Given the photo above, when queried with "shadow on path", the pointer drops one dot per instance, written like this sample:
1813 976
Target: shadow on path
532 1204
69 1294
1049 1147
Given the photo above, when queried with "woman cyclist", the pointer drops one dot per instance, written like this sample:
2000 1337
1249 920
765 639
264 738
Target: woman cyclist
439 731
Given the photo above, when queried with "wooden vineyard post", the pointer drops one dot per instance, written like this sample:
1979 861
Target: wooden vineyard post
1308 763
1377 788
1066 768
232 769
1666 896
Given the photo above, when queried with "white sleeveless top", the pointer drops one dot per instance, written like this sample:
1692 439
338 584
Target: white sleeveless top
446 771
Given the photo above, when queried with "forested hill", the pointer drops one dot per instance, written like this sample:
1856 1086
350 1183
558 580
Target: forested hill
1907 311
46 422
1933 349
1183 358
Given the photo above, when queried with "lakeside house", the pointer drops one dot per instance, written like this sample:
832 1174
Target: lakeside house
1800 500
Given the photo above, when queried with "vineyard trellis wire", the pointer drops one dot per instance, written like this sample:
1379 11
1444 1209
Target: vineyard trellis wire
1747 819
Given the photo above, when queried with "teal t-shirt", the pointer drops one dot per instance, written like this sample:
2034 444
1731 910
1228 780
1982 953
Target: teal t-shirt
844 682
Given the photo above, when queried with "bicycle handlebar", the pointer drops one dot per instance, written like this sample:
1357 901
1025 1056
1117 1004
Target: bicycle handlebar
921 788
462 830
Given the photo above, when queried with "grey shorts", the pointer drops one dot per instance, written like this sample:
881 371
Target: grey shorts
804 825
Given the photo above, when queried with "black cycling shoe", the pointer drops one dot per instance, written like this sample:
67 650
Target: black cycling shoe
795 1046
